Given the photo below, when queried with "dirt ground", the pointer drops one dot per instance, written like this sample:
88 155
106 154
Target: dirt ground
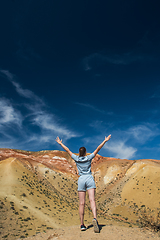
110 232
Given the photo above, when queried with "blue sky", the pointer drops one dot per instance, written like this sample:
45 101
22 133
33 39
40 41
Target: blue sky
81 70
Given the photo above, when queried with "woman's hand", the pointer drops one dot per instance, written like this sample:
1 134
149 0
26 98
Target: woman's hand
63 146
58 140
107 138
102 144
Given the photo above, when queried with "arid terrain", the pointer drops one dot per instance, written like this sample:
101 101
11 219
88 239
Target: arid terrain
39 200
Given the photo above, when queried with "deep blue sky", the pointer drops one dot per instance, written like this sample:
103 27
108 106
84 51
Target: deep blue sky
81 70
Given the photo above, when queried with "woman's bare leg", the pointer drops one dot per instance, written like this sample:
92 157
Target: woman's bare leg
91 193
82 196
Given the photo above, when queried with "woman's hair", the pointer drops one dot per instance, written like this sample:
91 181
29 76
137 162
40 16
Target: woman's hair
82 152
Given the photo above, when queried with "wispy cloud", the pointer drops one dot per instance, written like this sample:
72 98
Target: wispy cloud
99 59
131 139
144 51
143 133
47 122
87 105
8 114
127 142
24 92
119 149
38 127
7 74
11 125
21 91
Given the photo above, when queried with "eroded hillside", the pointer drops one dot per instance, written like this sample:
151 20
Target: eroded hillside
38 191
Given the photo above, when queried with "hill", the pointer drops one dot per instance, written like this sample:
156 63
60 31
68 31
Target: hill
38 192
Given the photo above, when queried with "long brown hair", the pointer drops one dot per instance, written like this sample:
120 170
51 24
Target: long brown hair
82 152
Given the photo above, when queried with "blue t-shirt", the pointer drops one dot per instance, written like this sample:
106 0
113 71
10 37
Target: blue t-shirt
83 163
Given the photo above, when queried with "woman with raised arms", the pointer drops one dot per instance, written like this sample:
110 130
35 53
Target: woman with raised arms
86 180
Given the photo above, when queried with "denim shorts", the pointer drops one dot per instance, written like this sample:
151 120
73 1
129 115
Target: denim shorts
86 182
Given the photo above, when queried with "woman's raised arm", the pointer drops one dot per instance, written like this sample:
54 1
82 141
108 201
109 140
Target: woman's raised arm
101 145
63 146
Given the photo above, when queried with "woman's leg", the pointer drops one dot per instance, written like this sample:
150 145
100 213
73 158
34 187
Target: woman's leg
91 193
82 195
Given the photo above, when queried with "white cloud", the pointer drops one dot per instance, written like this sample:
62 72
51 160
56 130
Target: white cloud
87 105
126 143
97 59
38 127
21 91
130 140
120 149
8 114
143 133
7 74
47 122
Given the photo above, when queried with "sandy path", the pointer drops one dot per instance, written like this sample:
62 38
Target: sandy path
107 232
7 177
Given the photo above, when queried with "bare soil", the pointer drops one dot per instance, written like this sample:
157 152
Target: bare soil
110 232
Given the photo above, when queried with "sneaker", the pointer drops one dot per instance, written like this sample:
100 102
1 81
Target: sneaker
83 227
95 225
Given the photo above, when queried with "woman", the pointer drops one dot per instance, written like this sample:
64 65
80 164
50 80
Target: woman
85 181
